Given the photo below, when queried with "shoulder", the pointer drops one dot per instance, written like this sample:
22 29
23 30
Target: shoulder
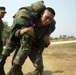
52 25
53 22
1 22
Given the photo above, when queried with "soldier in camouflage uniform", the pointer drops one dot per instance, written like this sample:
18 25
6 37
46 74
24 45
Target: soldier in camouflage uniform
34 46
24 18
25 48
2 14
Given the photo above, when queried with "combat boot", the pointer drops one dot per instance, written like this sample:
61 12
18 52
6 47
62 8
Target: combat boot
15 70
2 62
2 72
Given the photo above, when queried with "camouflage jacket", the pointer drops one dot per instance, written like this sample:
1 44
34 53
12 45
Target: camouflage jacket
40 32
1 31
26 16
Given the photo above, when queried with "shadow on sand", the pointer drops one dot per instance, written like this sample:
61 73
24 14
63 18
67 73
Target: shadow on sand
47 72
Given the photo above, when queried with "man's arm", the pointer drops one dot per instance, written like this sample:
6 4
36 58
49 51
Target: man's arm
28 30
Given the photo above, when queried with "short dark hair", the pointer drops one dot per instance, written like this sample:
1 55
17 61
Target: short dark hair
51 10
2 8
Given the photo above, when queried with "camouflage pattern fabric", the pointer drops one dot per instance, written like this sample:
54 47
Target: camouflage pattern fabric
21 20
32 47
37 60
27 41
15 70
24 49
1 31
11 44
24 17
28 45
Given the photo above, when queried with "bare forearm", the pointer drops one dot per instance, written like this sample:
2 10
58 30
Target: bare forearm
29 30
23 31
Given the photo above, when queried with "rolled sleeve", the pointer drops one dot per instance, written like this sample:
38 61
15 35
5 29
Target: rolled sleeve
17 33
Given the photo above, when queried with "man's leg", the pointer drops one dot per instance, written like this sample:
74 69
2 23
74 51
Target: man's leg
1 47
37 60
2 62
23 52
10 46
15 70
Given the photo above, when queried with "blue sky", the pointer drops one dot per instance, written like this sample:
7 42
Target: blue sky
65 14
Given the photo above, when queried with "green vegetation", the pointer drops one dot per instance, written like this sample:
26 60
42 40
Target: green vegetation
6 32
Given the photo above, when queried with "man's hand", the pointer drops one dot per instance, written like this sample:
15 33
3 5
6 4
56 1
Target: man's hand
46 41
28 30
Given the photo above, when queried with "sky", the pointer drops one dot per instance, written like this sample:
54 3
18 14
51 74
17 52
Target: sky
65 14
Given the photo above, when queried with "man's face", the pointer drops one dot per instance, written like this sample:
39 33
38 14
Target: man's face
2 14
46 18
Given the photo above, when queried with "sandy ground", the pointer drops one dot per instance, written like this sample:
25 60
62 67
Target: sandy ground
58 60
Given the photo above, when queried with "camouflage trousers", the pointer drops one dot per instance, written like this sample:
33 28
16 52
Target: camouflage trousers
37 61
1 47
26 50
11 45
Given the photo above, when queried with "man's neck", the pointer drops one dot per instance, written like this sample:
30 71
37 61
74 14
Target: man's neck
0 18
38 23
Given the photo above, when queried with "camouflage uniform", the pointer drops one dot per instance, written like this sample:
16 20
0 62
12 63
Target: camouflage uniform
32 49
25 17
21 20
1 46
1 31
38 46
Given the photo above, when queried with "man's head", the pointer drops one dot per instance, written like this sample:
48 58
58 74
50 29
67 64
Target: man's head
2 12
47 16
